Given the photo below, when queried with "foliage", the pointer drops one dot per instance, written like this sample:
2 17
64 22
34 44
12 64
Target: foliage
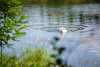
11 20
9 61
11 23
36 58
59 2
10 7
30 58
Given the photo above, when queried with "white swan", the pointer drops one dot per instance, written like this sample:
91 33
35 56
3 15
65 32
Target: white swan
62 31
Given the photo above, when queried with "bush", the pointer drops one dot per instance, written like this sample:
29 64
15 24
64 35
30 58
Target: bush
11 22
31 58
35 58
9 61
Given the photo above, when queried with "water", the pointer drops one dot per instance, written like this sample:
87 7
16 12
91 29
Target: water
82 41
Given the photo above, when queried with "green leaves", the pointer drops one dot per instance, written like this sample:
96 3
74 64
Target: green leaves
9 24
13 20
23 26
14 11
19 34
23 17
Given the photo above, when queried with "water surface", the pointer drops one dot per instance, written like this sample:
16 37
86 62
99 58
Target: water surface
82 41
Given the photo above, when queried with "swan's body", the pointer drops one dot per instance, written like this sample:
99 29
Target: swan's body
62 31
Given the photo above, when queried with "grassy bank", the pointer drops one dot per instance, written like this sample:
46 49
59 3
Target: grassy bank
37 57
30 58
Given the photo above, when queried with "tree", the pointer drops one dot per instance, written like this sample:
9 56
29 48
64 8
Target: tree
11 21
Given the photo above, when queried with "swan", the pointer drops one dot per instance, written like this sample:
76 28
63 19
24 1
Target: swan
61 32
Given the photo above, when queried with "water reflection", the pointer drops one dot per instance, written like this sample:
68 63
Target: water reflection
82 23
43 17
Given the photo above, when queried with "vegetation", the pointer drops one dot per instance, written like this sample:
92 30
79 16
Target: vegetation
61 1
35 58
9 61
30 58
38 57
11 22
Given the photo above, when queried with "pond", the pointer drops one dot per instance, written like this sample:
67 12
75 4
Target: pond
82 41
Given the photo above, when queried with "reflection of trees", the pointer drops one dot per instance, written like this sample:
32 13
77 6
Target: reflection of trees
92 16
70 16
81 17
55 16
62 1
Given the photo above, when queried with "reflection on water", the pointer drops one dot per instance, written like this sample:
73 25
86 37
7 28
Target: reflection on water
43 17
82 38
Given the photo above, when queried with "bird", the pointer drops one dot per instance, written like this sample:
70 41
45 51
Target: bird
61 32
57 38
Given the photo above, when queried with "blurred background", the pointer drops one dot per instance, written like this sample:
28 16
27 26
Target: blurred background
70 26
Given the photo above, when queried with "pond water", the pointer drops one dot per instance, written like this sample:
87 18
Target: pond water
82 41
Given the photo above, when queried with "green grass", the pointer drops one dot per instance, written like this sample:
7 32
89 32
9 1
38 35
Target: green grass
37 57
30 58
